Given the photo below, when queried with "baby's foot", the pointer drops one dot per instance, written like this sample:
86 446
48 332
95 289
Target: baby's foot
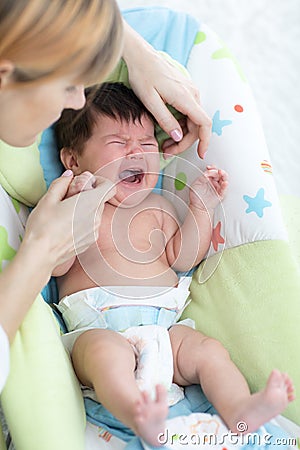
266 404
150 416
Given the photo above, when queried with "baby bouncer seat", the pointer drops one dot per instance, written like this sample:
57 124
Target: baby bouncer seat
245 293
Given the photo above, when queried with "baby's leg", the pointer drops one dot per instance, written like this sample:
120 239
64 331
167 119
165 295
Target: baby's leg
203 360
105 361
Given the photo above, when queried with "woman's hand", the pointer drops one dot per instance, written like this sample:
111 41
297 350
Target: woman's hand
65 227
83 182
156 81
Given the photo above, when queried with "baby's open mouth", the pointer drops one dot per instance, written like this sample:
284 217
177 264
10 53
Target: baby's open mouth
131 176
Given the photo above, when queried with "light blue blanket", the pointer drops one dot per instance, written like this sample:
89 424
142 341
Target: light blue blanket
194 402
166 30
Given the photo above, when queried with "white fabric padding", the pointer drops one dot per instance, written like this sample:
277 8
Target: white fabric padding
250 211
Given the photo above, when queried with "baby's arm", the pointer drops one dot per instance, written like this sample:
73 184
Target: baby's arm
82 182
190 243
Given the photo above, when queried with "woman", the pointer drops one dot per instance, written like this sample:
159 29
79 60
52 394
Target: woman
49 50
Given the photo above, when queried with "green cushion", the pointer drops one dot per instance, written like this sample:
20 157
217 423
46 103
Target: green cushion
248 298
42 400
2 441
21 174
290 206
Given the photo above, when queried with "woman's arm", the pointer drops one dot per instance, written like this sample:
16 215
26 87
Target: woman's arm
156 82
55 231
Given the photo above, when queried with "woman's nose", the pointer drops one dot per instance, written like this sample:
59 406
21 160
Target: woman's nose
76 98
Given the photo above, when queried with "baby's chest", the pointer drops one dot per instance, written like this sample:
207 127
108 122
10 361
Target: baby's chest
141 231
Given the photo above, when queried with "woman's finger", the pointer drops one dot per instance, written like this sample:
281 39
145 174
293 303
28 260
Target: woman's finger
59 187
164 117
190 135
196 114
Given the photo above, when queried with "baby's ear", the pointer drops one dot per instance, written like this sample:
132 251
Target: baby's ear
69 159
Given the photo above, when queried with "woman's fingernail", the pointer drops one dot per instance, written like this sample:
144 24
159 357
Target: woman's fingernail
67 173
176 135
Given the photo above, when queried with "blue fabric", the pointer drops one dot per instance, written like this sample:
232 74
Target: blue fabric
158 186
127 316
50 291
194 401
167 30
49 157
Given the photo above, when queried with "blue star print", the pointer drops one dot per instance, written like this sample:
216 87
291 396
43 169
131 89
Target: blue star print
257 203
218 124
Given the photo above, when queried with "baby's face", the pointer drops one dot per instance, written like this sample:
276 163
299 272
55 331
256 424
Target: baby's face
125 153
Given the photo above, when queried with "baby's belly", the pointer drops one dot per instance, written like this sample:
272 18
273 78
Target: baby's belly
122 274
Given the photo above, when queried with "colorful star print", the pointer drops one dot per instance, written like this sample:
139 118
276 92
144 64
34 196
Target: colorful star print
219 124
200 37
216 238
257 203
180 181
224 52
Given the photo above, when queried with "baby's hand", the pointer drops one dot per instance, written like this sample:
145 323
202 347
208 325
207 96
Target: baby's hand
83 182
208 190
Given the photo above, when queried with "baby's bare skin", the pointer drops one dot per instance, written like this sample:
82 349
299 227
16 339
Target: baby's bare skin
143 244
127 236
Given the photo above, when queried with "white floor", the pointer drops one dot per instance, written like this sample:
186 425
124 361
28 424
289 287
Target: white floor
265 36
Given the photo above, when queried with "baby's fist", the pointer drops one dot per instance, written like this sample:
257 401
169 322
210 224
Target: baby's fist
209 189
83 182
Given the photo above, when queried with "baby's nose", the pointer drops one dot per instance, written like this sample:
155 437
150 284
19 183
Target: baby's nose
135 152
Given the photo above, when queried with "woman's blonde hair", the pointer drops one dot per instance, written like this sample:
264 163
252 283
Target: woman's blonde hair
47 39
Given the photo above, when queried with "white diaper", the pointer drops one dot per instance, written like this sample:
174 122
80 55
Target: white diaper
143 316
120 307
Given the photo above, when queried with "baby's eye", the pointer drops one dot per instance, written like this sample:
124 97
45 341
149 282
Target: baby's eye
149 144
118 142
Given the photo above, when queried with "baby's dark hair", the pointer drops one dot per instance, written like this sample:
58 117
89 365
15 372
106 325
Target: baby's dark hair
114 100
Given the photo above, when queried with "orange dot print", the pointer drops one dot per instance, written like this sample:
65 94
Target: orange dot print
239 108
